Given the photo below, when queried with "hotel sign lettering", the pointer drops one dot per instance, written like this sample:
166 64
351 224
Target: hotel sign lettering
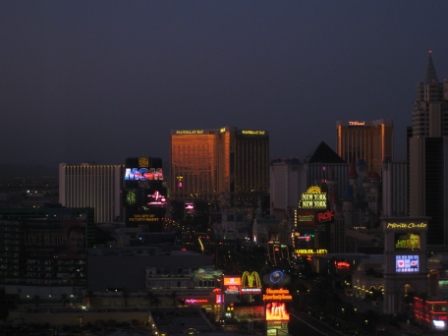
253 132
406 225
189 132
357 123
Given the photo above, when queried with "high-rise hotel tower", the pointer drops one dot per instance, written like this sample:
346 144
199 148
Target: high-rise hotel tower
210 164
94 186
371 141
428 156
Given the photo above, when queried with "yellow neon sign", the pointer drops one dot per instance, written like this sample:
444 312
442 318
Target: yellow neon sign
189 132
253 132
311 251
406 226
313 190
251 279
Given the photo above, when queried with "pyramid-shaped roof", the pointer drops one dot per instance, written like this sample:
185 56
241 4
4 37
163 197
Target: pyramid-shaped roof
324 154
431 76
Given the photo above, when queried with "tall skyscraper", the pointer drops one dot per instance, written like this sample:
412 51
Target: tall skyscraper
428 155
394 188
209 163
368 140
194 164
94 186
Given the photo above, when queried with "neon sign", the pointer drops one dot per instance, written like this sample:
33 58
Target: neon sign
406 226
311 251
326 216
276 311
277 295
189 132
251 283
276 276
232 281
357 123
246 290
313 190
144 218
143 174
195 301
156 199
313 199
232 289
252 132
305 218
342 264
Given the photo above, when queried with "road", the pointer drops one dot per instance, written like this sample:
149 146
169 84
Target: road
301 324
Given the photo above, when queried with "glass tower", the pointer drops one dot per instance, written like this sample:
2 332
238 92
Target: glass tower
368 140
206 164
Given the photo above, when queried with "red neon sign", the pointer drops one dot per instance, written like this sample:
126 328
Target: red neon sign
326 216
342 264
193 301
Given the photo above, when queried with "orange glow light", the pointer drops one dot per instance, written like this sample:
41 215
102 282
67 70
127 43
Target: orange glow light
276 311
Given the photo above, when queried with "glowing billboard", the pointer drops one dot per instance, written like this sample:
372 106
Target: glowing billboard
232 284
407 263
407 241
313 198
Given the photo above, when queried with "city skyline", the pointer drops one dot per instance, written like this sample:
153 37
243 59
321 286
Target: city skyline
100 82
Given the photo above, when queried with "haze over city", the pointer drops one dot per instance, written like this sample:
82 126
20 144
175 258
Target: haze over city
101 81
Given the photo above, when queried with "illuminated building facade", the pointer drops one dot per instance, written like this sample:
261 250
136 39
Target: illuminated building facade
194 164
405 266
289 178
312 220
94 186
144 193
368 140
428 155
206 164
430 313
276 313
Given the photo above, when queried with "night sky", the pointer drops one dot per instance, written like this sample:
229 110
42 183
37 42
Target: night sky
100 81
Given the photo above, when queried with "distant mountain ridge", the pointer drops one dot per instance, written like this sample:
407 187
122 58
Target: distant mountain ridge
17 170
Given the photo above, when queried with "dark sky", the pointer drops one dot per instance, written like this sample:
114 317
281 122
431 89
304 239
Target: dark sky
100 81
